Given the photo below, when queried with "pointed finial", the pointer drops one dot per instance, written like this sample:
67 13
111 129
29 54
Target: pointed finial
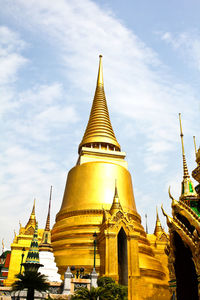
157 217
158 228
116 191
195 146
116 203
185 168
33 210
100 73
146 224
47 227
116 196
32 219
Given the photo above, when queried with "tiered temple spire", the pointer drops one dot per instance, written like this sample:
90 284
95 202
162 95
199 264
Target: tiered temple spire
47 227
99 131
32 260
185 168
46 238
187 184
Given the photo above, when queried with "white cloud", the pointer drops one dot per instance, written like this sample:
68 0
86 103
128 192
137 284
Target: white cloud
10 63
58 115
10 59
187 43
42 95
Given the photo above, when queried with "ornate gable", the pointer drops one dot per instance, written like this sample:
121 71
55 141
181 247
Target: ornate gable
113 222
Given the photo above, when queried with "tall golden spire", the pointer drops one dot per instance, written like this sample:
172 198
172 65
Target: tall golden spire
47 227
187 185
46 238
99 129
185 168
32 219
158 228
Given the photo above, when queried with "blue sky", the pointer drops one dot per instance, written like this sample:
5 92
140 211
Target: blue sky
48 67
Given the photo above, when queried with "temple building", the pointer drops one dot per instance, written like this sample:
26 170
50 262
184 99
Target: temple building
184 235
21 250
98 224
20 247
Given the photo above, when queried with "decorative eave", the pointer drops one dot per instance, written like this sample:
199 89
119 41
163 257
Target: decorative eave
115 218
176 225
183 209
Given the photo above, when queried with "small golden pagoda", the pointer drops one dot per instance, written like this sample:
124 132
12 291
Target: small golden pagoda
98 198
21 242
159 240
184 236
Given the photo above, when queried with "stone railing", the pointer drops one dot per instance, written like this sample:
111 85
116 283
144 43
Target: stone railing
71 284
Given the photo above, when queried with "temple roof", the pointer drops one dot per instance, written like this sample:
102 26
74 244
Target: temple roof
32 219
99 128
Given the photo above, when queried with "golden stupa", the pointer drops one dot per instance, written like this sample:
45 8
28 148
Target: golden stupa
99 199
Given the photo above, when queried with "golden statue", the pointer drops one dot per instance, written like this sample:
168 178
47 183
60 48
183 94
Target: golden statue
98 208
